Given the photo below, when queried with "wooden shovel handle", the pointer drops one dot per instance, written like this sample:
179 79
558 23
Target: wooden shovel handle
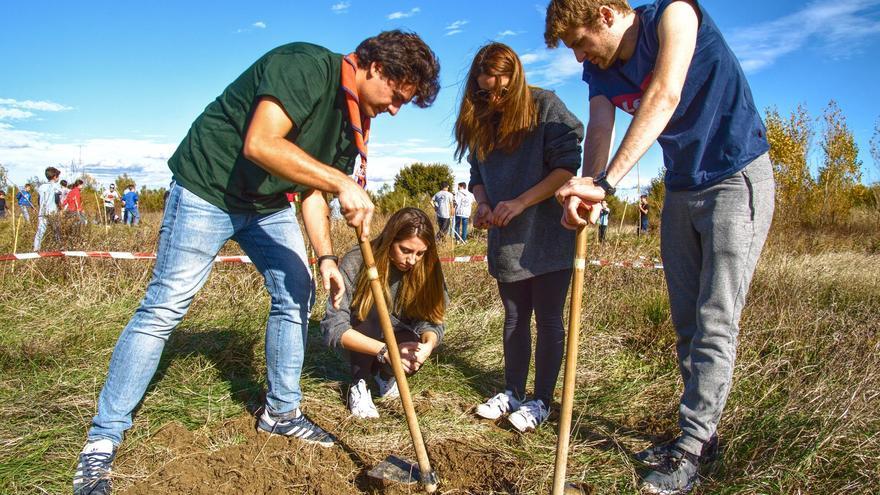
571 352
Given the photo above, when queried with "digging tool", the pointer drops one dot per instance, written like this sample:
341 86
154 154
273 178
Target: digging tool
560 487
394 468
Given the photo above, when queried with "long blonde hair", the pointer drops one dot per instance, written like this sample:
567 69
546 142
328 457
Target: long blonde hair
481 126
421 294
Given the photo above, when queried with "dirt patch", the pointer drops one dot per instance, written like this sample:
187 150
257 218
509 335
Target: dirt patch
238 459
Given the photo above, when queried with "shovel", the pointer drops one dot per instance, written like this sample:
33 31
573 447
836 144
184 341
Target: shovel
560 487
394 468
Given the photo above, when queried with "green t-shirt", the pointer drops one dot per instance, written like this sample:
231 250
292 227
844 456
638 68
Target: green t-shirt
305 78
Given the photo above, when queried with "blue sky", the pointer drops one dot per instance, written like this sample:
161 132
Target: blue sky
119 83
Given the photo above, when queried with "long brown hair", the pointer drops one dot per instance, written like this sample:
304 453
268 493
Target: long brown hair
482 126
421 294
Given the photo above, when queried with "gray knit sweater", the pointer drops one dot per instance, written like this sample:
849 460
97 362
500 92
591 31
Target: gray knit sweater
337 321
533 243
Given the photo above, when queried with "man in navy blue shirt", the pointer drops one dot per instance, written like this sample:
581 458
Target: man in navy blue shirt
667 64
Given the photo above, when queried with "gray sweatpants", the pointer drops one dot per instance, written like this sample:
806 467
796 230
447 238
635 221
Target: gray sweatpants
710 241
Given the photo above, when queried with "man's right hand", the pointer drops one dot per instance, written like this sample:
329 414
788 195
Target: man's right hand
357 208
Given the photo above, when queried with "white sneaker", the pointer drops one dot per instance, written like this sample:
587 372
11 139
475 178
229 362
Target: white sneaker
387 388
498 406
359 401
529 416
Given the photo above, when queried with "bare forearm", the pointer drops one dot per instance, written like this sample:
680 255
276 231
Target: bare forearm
353 340
597 149
480 194
316 217
283 159
544 189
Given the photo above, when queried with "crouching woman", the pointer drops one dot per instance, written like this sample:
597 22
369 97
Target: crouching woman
409 269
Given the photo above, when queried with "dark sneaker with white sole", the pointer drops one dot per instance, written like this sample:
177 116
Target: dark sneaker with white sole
679 472
655 455
94 468
298 427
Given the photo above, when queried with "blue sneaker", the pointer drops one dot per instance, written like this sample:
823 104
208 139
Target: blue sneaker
94 468
656 455
299 427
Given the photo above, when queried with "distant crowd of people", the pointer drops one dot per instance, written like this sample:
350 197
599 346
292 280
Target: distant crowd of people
56 200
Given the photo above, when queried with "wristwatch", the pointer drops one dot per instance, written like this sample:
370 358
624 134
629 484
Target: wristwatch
382 355
602 181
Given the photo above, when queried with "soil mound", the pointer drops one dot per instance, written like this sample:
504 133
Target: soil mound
238 459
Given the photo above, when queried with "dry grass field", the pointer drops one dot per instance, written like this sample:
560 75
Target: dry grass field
802 416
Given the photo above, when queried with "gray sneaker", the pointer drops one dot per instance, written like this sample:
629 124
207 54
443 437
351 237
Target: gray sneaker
299 427
678 473
94 468
656 455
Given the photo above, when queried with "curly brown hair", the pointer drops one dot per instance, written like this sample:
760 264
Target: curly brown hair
405 59
565 14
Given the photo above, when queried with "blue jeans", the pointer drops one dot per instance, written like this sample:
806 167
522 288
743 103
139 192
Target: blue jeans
43 224
461 226
192 233
132 216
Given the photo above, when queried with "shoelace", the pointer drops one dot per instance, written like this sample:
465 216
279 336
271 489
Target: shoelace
95 464
532 412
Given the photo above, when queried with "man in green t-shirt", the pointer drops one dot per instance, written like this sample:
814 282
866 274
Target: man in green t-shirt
292 122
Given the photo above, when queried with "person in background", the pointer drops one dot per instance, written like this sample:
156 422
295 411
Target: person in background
604 213
47 216
464 202
25 205
409 268
2 204
63 190
110 197
522 144
73 202
443 205
130 201
643 214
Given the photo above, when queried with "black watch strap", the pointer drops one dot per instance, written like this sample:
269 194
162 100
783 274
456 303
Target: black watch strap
602 181
328 257
382 355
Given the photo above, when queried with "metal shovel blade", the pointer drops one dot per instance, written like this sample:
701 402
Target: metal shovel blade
395 469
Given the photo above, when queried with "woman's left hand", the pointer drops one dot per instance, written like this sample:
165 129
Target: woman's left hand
505 211
416 353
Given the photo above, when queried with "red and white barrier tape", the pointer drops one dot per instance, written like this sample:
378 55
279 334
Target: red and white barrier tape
245 259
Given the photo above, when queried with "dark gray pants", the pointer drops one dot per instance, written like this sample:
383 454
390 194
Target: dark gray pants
545 295
710 241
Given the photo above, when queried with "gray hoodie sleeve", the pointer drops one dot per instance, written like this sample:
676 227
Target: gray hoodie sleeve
337 321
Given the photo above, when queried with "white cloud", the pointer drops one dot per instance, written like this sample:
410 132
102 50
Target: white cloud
508 32
838 28
259 25
387 158
340 8
43 106
549 68
14 113
401 15
27 153
455 27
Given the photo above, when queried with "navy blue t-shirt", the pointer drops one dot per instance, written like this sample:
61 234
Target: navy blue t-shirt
716 130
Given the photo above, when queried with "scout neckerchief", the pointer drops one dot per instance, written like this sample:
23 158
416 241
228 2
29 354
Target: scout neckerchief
361 127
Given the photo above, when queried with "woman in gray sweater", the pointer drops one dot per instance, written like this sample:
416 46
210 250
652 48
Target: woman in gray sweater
522 144
409 268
